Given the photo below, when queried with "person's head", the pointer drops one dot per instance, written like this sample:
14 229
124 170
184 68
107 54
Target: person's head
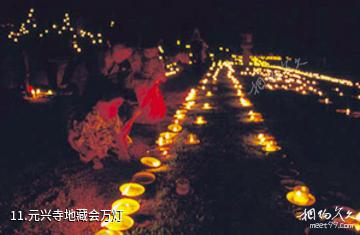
120 53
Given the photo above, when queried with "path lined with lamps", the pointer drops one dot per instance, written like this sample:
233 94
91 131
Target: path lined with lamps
234 166
239 181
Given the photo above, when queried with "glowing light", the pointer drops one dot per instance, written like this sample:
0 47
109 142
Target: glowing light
209 94
264 139
161 50
239 93
254 117
192 139
131 189
352 222
200 120
150 161
245 102
191 95
300 196
162 141
189 105
325 101
346 111
175 127
271 147
206 106
108 232
128 206
180 116
167 135
118 224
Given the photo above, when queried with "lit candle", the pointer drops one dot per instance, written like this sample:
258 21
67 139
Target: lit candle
175 127
180 116
131 189
264 139
108 232
200 120
189 105
181 111
206 106
150 161
300 196
192 139
245 102
254 117
161 141
167 135
209 94
127 206
118 224
271 147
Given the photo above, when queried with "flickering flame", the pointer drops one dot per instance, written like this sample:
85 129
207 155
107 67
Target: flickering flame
108 232
200 120
254 116
245 102
165 138
161 141
204 81
128 206
118 224
180 116
206 106
175 127
271 146
357 224
167 135
189 105
301 196
209 94
131 189
150 161
239 93
192 139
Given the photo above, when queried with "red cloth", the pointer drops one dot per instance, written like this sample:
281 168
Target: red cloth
152 104
109 109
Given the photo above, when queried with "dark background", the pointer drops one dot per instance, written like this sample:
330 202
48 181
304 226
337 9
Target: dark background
324 33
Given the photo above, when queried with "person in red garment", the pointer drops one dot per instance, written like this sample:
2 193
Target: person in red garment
96 135
100 132
152 108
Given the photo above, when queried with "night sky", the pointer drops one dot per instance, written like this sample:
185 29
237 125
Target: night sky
301 28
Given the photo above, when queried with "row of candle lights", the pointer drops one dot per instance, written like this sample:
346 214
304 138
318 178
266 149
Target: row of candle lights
136 188
300 195
267 142
38 95
59 29
289 79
